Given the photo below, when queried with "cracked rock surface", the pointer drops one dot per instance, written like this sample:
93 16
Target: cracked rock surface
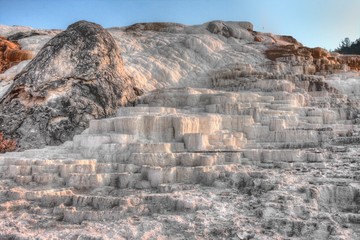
78 75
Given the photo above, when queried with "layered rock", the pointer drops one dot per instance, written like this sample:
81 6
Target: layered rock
78 75
312 60
353 61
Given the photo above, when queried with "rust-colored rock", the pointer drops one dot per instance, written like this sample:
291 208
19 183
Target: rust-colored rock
6 145
353 61
319 53
258 39
290 39
11 54
318 58
288 51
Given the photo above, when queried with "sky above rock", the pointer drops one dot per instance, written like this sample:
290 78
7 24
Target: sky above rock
321 23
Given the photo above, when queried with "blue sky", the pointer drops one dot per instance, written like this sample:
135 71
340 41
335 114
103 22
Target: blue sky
321 23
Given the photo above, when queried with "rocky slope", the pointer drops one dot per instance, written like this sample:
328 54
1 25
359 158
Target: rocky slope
238 135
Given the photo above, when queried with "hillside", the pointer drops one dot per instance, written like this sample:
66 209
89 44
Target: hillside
169 131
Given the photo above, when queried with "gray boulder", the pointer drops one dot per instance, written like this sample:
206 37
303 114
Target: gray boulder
240 30
20 35
77 76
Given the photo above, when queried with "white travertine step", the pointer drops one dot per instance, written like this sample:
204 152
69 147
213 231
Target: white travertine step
14 167
283 155
90 181
95 140
181 159
290 145
66 196
43 155
228 108
154 147
286 135
190 175
127 111
163 128
202 171
120 153
147 204
34 161
214 142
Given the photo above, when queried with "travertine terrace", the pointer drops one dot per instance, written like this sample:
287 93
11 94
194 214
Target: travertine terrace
236 135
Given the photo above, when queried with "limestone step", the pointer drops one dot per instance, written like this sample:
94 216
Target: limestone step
46 171
43 162
120 153
299 136
183 159
290 145
214 142
74 207
43 155
189 175
145 205
91 181
138 110
161 128
284 155
154 174
96 140
150 127
228 108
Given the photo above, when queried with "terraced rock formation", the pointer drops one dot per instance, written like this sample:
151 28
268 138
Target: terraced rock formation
262 150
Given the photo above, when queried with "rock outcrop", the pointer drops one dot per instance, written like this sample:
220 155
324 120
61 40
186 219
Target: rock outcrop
25 34
231 29
352 61
153 26
312 60
77 76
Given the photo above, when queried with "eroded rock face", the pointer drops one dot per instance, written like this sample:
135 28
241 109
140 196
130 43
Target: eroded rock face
155 26
25 34
313 60
230 29
78 75
353 61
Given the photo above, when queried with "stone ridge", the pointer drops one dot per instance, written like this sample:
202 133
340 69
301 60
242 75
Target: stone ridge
152 26
77 75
